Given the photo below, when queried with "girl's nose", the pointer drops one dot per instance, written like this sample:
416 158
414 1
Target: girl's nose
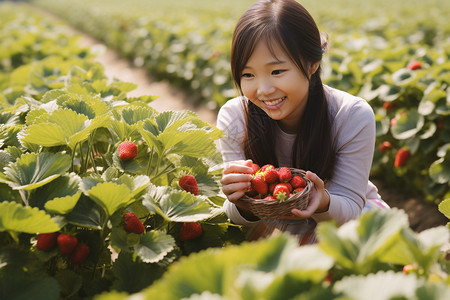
265 87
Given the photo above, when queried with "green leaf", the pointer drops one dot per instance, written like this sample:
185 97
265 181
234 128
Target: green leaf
111 196
23 276
87 213
62 127
359 245
132 275
33 170
154 246
408 125
444 207
17 218
178 206
62 205
440 171
394 285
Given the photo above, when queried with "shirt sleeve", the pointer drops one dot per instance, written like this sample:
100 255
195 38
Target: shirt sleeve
231 121
354 136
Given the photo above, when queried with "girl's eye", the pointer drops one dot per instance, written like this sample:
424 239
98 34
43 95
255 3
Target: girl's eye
277 72
247 75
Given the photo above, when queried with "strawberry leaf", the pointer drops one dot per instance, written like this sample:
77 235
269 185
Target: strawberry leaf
154 246
395 285
33 170
111 196
62 205
17 218
359 245
408 125
178 206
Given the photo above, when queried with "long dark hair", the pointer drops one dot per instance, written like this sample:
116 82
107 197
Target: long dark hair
289 25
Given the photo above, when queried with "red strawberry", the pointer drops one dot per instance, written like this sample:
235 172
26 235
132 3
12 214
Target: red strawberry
401 157
67 243
46 241
259 184
189 184
127 150
80 253
190 231
133 224
298 190
272 187
414 65
407 269
384 146
267 167
271 175
269 197
388 105
285 174
255 168
287 185
281 192
297 181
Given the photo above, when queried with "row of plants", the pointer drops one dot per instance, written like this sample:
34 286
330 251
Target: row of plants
90 180
102 197
370 51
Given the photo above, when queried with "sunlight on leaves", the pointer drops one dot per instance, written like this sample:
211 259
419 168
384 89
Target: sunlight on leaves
17 218
110 196
393 285
178 206
33 170
154 246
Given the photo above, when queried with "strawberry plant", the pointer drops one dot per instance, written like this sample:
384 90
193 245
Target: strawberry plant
348 262
80 210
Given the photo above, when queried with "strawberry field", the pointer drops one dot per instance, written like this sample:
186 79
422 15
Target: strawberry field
95 202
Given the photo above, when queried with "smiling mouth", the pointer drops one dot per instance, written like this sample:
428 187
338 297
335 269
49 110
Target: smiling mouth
273 102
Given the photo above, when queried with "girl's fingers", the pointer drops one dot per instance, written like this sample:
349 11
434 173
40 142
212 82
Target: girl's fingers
235 177
235 187
241 166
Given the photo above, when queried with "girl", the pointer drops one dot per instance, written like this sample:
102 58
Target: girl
287 117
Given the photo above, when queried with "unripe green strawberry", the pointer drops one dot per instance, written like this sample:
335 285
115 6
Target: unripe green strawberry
401 157
46 241
189 184
67 243
259 184
297 182
285 174
80 254
127 150
190 230
133 224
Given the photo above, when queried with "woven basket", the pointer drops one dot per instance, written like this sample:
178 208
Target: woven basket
272 209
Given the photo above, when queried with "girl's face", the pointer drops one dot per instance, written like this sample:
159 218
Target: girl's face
276 85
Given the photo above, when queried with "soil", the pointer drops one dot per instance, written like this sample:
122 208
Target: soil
421 215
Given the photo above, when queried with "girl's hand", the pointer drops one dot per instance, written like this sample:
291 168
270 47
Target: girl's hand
236 179
319 200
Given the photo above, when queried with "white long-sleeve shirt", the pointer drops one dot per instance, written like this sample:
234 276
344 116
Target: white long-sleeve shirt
353 134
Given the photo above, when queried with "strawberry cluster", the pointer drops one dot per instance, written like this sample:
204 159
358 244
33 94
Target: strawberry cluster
67 244
270 183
